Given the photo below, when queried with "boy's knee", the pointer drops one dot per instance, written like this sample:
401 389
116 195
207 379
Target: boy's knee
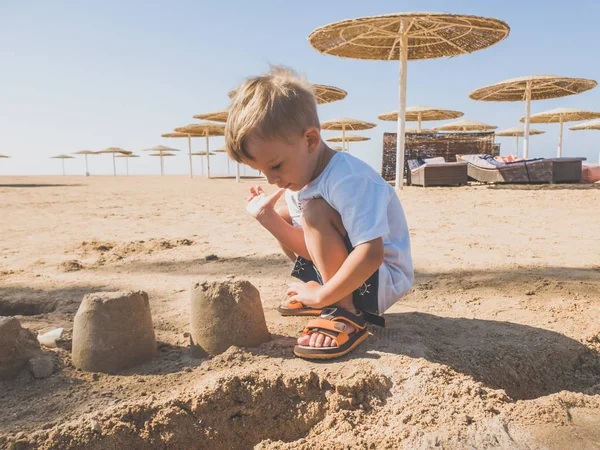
317 212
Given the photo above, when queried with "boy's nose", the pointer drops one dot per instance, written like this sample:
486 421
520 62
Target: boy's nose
271 179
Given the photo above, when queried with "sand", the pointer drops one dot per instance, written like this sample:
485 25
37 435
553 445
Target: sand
496 347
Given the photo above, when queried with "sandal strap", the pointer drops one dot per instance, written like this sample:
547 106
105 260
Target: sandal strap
342 315
334 329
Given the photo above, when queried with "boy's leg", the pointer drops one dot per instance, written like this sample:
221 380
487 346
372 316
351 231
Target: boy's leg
324 234
285 214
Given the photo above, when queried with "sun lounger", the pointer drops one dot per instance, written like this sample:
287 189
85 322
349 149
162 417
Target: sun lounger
590 173
555 170
486 169
437 172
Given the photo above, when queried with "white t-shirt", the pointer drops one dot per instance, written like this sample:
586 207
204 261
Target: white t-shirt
369 209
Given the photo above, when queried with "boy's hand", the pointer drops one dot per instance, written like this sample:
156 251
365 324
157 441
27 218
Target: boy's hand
305 293
259 204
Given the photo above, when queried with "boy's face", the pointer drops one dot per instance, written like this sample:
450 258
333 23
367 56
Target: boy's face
290 164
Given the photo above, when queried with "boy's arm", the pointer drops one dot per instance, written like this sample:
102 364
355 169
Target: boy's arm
289 235
262 208
361 263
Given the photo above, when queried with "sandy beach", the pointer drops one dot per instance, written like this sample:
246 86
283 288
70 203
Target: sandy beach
497 346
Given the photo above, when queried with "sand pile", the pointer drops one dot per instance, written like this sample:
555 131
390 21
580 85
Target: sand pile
109 251
396 403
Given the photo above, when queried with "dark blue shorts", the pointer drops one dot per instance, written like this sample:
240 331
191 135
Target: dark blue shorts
364 298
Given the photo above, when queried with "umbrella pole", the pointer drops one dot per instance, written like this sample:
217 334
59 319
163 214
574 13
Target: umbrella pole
190 154
127 165
343 137
400 138
162 167
527 114
560 136
87 172
207 156
114 166
517 146
237 172
63 166
419 123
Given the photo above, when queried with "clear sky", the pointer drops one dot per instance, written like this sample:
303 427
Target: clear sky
86 75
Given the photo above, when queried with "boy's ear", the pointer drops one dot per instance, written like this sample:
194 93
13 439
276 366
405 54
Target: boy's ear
313 138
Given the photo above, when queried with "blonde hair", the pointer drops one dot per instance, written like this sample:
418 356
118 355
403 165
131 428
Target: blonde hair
275 105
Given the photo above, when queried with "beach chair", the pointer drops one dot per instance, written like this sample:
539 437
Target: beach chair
486 169
555 170
436 172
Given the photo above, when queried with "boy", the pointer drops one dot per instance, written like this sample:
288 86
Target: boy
343 224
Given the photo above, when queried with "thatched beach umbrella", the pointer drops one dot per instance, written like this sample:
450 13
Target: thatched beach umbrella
160 155
127 160
465 125
221 116
323 94
416 130
407 36
189 137
4 156
216 116
114 151
518 132
206 129
422 113
337 148
561 115
349 138
535 87
344 124
62 158
591 125
161 149
86 153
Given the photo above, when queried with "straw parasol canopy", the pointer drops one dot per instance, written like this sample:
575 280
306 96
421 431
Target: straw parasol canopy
407 36
62 158
161 148
349 138
416 130
465 125
328 94
344 124
323 94
162 154
4 156
203 153
561 115
216 116
114 151
86 153
518 132
591 125
422 113
534 87
337 148
206 129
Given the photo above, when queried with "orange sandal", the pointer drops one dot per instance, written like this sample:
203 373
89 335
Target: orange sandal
296 308
333 322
